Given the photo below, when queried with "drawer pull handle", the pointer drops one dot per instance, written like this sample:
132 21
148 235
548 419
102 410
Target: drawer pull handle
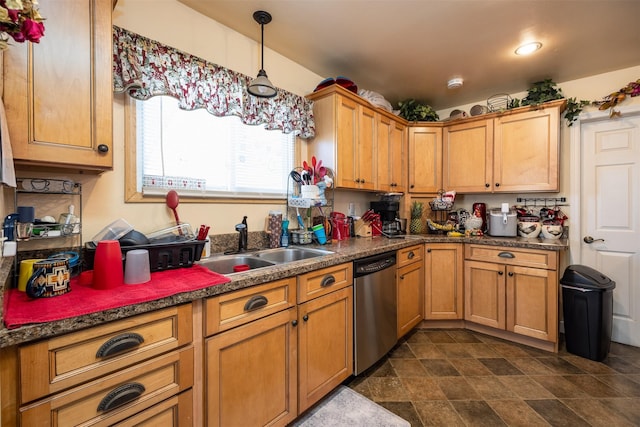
255 302
120 343
121 395
506 255
411 255
328 281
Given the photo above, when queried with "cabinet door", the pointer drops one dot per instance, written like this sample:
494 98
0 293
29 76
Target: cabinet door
391 155
532 302
425 159
250 376
468 157
526 151
58 93
366 155
484 294
444 273
385 154
398 157
347 135
325 345
410 294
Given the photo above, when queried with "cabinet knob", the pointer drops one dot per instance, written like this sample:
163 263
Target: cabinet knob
497 184
362 181
120 395
413 186
428 250
487 185
411 255
511 274
294 323
305 317
103 148
119 344
256 302
500 273
327 280
358 180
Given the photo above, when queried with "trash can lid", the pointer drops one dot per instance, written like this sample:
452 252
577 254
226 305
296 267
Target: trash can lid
581 276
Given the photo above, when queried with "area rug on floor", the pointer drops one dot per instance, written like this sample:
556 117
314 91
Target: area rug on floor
345 407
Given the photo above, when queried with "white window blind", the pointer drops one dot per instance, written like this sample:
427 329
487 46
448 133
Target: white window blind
204 155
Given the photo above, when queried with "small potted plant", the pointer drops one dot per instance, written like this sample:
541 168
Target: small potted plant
413 110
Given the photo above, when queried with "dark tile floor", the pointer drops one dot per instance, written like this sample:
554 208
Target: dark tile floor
462 378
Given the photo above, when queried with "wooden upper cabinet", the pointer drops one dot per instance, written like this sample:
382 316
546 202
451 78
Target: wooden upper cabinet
345 137
58 93
468 156
392 152
365 150
425 159
526 151
515 151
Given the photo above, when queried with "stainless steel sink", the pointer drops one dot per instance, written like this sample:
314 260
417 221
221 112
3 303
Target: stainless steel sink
224 264
290 254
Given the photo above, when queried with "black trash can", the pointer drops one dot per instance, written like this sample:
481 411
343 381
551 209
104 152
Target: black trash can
587 301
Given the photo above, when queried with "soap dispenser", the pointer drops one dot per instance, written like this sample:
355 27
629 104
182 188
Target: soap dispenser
284 238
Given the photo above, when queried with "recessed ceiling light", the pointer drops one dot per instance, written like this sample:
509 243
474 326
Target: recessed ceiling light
528 48
455 83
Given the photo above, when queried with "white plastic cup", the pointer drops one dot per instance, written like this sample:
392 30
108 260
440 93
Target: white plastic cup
136 268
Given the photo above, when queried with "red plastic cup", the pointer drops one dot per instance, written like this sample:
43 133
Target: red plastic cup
107 265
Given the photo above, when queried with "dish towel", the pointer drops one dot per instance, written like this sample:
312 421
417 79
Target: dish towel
83 299
7 171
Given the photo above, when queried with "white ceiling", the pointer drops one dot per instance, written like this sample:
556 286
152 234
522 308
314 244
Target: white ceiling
411 48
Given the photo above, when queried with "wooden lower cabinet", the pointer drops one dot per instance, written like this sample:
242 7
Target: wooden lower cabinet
444 281
522 299
325 345
485 294
250 373
410 288
116 397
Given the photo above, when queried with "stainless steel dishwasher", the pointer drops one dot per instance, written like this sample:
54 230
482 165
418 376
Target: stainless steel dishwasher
374 309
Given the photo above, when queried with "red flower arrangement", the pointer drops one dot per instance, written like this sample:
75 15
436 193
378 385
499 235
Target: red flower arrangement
20 20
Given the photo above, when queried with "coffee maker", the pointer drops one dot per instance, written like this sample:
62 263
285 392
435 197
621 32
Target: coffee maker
388 211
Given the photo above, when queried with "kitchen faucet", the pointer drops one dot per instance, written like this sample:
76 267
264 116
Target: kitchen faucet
244 234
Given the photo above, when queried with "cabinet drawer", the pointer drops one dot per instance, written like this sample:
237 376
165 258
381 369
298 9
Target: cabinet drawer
410 255
175 411
513 256
66 361
237 308
323 281
117 396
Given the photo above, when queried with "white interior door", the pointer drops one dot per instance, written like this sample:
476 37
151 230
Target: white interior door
610 213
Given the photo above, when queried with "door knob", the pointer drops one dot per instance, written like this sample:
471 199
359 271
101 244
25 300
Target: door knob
589 240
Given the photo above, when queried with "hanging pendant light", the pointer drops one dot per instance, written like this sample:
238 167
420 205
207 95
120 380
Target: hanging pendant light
261 86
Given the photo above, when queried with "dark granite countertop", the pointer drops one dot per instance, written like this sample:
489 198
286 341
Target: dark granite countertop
345 251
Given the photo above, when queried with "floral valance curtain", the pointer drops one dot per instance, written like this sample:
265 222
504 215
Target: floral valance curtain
144 68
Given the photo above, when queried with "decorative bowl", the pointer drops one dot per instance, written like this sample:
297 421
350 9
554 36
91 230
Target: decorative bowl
473 223
529 229
552 231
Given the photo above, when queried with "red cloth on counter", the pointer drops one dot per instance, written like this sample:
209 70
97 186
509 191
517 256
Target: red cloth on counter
83 299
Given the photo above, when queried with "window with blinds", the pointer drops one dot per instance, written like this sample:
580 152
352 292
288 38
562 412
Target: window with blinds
204 155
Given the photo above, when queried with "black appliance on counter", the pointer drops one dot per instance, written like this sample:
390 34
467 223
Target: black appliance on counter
388 211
